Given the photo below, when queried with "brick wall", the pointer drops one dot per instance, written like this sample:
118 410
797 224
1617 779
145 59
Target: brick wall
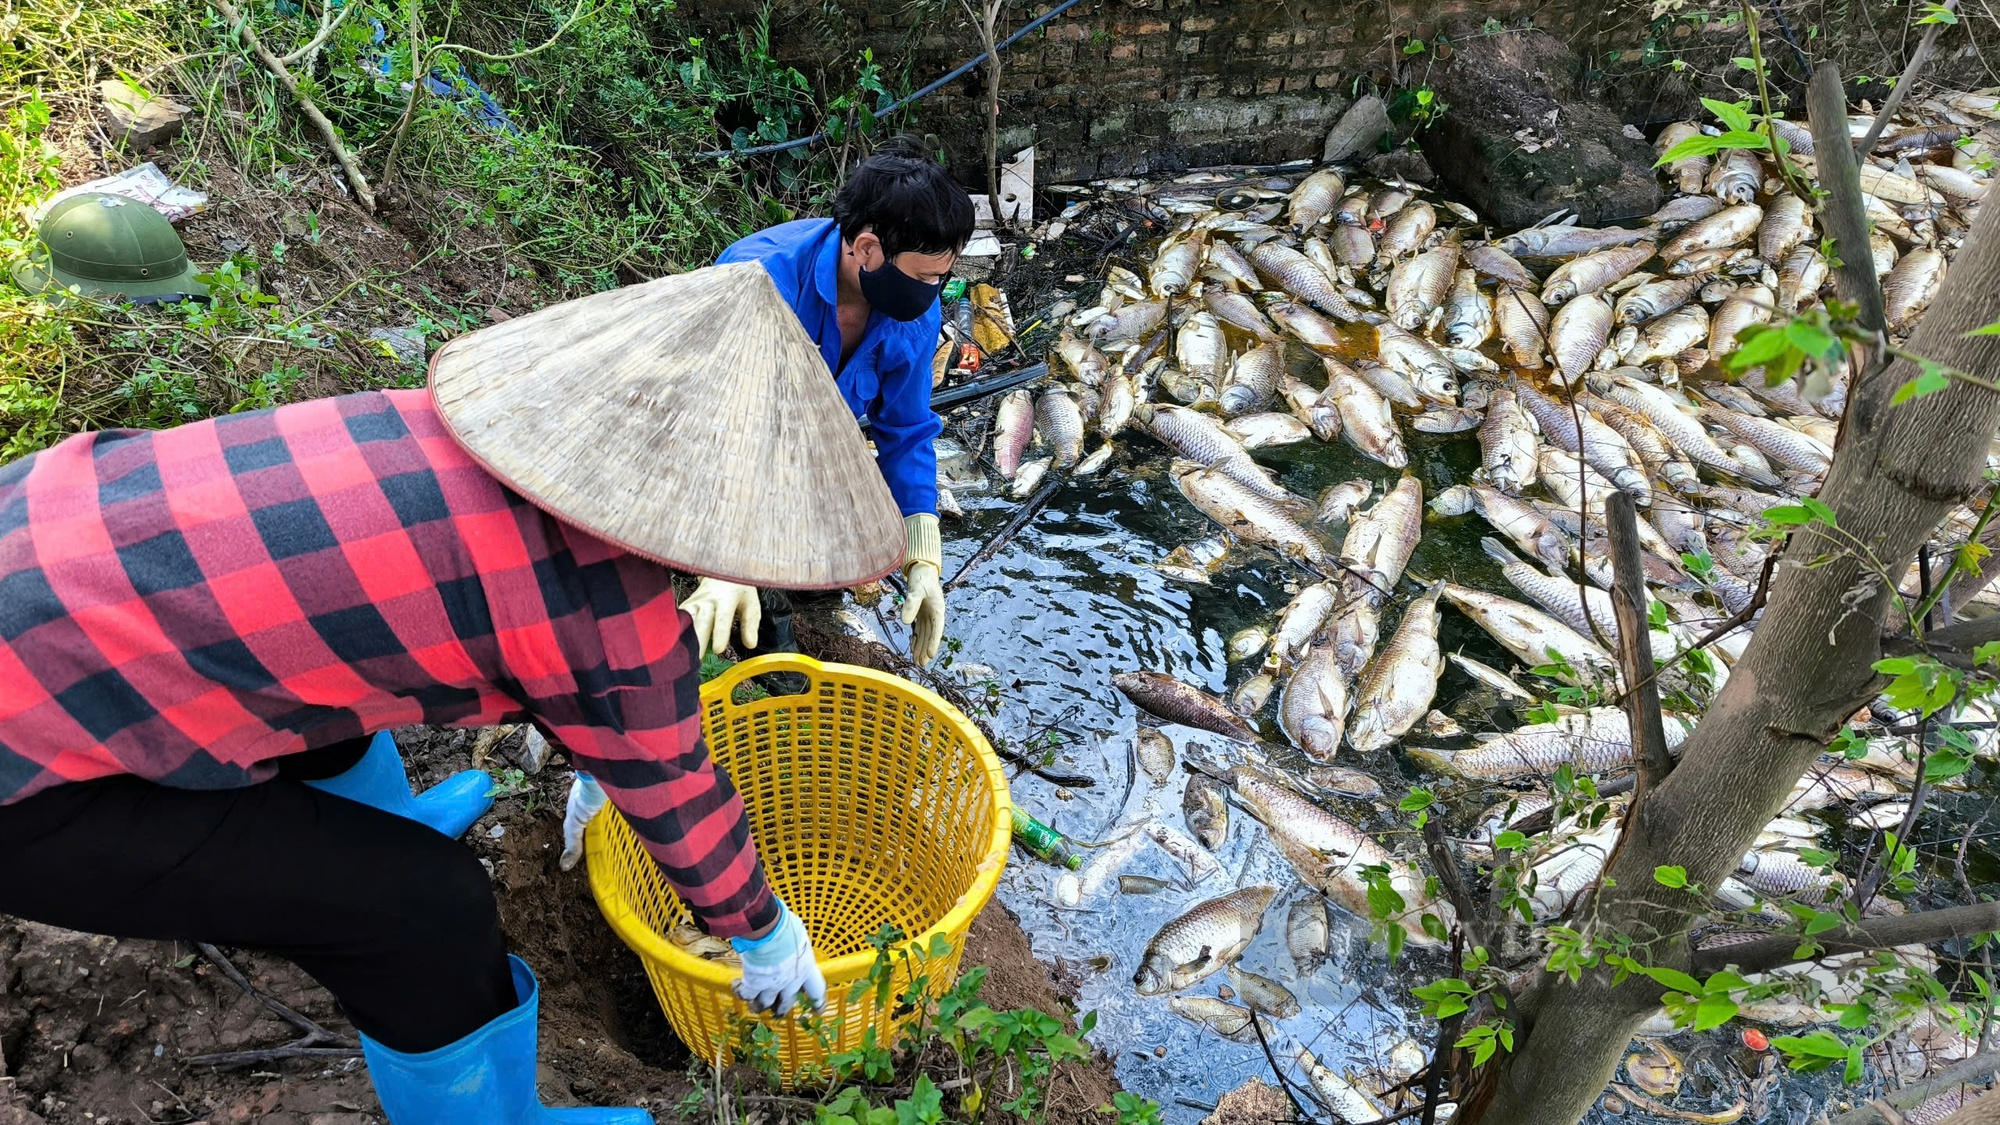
1129 87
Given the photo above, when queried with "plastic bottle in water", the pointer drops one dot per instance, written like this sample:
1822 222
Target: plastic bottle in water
1043 842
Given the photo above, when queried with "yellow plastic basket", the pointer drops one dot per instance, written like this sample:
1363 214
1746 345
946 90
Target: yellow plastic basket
871 800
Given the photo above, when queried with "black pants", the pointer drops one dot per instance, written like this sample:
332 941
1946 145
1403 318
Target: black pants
397 921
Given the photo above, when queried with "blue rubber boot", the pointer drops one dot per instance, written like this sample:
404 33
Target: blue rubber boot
377 779
486 1078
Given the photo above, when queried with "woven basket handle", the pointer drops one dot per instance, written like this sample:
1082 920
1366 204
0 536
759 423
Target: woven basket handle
742 670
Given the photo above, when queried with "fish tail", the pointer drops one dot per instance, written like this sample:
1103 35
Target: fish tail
1430 757
1497 551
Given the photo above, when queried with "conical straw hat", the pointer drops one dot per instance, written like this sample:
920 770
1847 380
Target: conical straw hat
690 420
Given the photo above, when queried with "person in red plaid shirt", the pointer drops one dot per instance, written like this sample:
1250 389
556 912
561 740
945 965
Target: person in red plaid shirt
201 628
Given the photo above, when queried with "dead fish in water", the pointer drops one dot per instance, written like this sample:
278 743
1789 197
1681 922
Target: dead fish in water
1201 439
1593 741
1294 273
1183 850
1114 409
1681 427
1418 286
1060 423
1246 643
1299 622
1206 811
1379 542
1428 369
1386 381
1468 315
1786 224
1523 321
1496 264
1409 225
1655 452
1252 694
1337 503
1656 298
1447 420
1497 680
1498 818
1328 852
1174 264
1910 286
1343 781
1199 344
1227 260
1353 246
1214 933
1313 709
1593 272
1365 419
1241 311
1314 199
1398 685
1724 230
1030 477
1012 427
1581 432
1577 333
1164 697
1307 933
1142 885
1688 172
1347 1101
1263 994
1195 562
1225 1019
1082 358
1666 337
1800 277
1155 752
1253 379
1568 241
1684 209
1306 326
1128 323
1507 443
1792 448
1752 304
1246 515
1534 637
1736 176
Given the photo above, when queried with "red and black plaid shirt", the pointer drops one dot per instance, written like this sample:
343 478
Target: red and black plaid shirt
189 604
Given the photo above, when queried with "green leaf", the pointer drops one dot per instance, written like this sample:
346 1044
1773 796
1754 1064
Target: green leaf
1853 1074
1820 1044
1811 339
1674 979
1675 877
1723 980
1992 329
1757 344
1736 115
1943 765
1787 515
1701 144
1714 1011
1987 653
1936 13
1414 47
1509 841
1819 511
1895 666
1821 922
1451 1006
1418 800
1739 138
1928 382
1434 926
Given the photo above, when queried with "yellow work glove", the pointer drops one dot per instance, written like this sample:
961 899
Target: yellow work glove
923 598
715 605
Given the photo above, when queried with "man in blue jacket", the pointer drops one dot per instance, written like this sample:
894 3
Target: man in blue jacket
865 285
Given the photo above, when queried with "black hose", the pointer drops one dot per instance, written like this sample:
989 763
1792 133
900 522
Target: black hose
784 146
969 392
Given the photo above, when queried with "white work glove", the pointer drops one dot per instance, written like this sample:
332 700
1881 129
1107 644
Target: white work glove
586 800
779 966
715 606
923 597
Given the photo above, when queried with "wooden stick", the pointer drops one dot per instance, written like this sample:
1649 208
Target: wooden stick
241 25
1974 1069
1925 927
1840 178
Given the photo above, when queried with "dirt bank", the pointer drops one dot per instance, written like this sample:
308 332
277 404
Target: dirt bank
94 1031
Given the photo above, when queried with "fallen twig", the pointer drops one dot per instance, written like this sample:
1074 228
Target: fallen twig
313 1031
231 1059
1901 89
240 25
1007 532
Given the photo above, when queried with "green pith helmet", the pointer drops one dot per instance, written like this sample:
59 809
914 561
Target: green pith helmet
111 248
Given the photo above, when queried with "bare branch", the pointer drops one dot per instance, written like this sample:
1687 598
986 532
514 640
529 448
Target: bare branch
240 24
1765 954
1925 47
1973 1069
1454 882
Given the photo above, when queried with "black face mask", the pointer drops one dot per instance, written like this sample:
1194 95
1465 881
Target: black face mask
897 294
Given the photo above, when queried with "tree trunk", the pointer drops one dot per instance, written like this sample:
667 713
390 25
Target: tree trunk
1983 1110
1897 472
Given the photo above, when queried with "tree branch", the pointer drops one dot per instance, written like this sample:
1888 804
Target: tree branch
1641 701
1901 90
1916 1093
1765 954
1840 178
1966 635
240 25
1454 883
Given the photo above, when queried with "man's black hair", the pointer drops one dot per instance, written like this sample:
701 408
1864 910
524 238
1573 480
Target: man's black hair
911 203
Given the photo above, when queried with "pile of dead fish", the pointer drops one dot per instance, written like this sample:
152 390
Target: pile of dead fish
1583 362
